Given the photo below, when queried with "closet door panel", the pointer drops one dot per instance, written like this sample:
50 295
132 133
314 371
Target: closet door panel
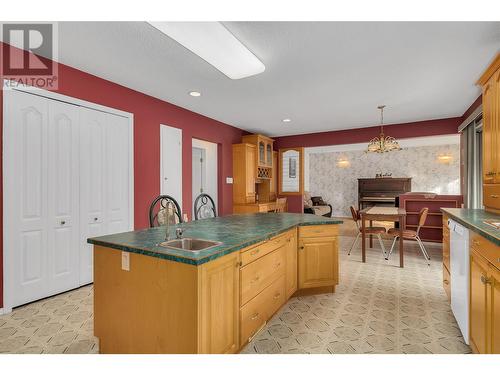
92 185
63 196
25 193
117 174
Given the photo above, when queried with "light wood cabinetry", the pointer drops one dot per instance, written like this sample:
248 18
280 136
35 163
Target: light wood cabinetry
317 257
490 82
162 306
254 175
264 148
244 173
218 305
484 296
446 258
291 265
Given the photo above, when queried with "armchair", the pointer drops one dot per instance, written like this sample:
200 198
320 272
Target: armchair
316 206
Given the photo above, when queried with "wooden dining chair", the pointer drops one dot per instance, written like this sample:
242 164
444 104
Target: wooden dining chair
412 235
378 231
280 205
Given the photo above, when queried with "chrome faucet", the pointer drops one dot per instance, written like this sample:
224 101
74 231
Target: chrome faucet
167 224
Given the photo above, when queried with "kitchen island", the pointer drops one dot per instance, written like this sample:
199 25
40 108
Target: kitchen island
154 299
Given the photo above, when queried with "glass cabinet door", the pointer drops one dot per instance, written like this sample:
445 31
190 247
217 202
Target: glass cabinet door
262 151
269 154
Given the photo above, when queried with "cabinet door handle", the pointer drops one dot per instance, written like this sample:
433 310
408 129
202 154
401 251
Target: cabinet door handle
277 265
301 247
255 316
63 222
494 195
475 242
239 264
277 296
446 282
289 240
485 280
255 252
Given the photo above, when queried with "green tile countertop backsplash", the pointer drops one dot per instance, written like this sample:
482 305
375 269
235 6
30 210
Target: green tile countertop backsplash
235 232
473 219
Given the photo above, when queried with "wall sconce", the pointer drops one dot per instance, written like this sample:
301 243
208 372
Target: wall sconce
445 159
343 163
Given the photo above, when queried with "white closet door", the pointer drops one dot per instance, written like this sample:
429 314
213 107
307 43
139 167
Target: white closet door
117 173
104 181
92 186
25 196
63 196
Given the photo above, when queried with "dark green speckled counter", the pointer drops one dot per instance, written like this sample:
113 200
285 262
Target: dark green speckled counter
235 232
473 219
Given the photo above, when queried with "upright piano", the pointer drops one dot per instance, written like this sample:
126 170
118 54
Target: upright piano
381 191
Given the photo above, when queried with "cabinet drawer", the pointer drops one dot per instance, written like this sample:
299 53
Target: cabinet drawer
485 248
259 274
318 231
256 312
254 253
447 282
491 196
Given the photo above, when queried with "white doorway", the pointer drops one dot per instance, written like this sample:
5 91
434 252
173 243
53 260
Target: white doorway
204 170
171 162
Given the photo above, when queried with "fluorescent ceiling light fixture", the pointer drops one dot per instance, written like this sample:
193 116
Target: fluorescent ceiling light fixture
216 45
195 93
286 120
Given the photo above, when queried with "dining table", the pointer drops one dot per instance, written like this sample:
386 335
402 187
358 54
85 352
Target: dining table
380 213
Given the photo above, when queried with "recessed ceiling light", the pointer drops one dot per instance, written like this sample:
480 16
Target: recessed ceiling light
216 45
194 93
286 120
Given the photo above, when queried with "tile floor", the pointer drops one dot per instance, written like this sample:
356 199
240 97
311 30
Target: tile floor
377 308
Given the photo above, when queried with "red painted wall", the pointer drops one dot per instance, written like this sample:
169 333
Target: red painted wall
148 113
399 131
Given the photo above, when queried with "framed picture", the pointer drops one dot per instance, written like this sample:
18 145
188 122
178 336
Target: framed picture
291 171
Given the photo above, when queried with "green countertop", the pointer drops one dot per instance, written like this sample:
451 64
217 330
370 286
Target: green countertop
473 219
235 232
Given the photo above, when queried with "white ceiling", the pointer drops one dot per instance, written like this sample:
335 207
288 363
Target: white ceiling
322 75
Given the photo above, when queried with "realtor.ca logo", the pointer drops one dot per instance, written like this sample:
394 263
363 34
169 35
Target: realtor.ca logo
28 54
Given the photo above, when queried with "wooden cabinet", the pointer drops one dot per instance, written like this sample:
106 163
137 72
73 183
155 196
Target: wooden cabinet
446 258
219 306
484 296
317 257
264 148
490 82
244 173
273 183
478 300
291 265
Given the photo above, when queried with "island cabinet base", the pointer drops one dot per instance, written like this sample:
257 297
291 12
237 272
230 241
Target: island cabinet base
162 306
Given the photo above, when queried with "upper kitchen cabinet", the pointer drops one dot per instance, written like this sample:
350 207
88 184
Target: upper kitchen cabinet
244 173
264 153
490 83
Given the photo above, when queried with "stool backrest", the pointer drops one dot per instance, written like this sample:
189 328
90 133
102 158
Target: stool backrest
158 213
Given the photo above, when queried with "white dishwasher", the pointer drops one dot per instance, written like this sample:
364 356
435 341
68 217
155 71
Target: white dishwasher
459 272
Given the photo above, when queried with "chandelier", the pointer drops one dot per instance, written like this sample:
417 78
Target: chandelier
382 143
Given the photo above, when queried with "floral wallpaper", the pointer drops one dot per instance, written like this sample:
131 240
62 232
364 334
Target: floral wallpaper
334 175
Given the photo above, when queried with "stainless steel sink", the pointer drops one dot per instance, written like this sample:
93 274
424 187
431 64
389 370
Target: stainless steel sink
190 244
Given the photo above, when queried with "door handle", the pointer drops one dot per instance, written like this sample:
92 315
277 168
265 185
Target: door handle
485 280
63 222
